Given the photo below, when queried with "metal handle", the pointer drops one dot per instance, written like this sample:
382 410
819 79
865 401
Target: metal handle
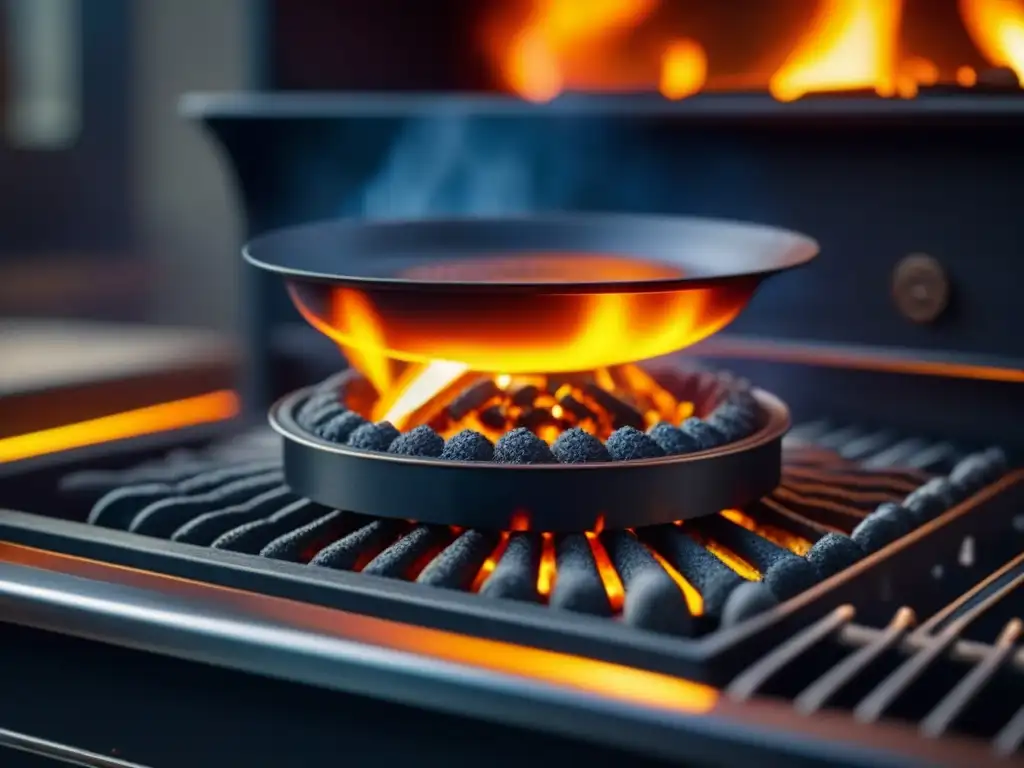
60 752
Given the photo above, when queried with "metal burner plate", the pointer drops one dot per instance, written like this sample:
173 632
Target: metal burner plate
558 497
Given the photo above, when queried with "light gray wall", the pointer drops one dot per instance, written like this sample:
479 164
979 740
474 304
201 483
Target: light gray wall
186 210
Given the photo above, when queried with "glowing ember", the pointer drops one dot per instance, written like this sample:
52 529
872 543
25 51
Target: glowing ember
541 48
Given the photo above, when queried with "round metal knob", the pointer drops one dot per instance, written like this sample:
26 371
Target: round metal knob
920 288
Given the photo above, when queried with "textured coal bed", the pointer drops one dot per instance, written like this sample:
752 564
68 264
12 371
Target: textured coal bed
731 414
845 493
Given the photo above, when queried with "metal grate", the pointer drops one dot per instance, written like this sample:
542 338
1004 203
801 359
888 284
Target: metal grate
846 493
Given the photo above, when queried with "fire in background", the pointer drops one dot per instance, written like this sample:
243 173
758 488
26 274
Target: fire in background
790 48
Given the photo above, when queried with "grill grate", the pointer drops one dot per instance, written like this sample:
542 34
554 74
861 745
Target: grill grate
846 492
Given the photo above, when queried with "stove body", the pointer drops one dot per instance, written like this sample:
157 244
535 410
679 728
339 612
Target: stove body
235 655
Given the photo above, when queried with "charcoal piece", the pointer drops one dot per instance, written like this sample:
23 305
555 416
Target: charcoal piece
629 444
515 575
204 529
340 427
712 578
524 395
574 446
997 461
929 501
703 433
672 440
743 399
749 599
575 408
400 558
971 474
882 527
373 437
421 441
301 544
361 545
535 418
783 572
833 553
621 413
493 417
790 576
314 404
558 380
162 518
251 538
521 446
468 445
653 601
321 416
457 565
473 398
579 586
117 508
732 422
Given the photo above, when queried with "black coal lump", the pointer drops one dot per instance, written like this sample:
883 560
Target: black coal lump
749 599
468 445
971 474
340 427
521 446
705 434
373 437
574 446
833 553
929 501
789 576
882 527
629 444
321 416
421 441
316 403
672 440
732 421
997 461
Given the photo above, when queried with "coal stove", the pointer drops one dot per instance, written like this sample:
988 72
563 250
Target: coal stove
845 595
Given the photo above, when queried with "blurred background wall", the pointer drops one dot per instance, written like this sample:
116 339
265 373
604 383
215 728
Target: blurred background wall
186 214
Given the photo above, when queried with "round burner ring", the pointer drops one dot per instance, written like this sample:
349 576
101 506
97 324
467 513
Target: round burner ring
547 497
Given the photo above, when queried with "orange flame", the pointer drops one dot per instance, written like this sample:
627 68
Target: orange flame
997 28
555 45
851 44
434 338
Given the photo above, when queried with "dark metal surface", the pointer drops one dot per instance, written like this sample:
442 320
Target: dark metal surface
701 253
61 753
355 654
851 171
561 497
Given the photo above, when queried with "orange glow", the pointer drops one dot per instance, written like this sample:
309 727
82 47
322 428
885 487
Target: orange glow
547 570
606 569
727 556
693 599
178 414
851 44
560 42
997 28
579 674
684 68
414 348
798 545
966 77
490 564
541 48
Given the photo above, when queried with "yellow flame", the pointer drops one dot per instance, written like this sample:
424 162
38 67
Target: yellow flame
851 44
997 28
684 69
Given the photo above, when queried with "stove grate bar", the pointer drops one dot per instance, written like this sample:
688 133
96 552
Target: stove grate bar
749 682
945 713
